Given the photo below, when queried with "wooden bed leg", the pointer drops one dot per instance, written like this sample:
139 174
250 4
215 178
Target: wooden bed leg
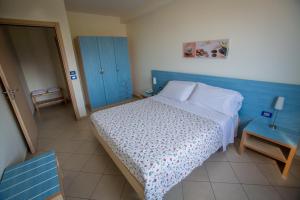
288 163
63 95
242 147
35 104
37 109
61 178
59 196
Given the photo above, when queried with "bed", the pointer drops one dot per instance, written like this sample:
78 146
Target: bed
156 142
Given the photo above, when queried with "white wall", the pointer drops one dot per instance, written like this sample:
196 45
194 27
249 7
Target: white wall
12 145
84 24
45 10
264 39
38 57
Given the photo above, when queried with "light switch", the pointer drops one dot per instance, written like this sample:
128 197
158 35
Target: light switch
154 81
266 114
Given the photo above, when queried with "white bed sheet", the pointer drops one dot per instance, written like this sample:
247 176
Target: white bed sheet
229 124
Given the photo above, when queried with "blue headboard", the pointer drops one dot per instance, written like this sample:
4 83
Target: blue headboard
258 96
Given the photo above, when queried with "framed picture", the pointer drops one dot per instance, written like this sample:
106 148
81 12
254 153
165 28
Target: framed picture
206 49
189 49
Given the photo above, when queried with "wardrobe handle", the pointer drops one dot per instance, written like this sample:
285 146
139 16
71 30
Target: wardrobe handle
102 71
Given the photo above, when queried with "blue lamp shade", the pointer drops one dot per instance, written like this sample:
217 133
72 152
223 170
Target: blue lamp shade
279 104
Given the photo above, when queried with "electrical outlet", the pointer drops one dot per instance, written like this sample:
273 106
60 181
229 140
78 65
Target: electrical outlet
266 114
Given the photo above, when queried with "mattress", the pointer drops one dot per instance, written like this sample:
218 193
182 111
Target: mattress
159 143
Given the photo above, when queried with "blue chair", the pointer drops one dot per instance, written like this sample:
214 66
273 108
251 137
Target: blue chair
34 179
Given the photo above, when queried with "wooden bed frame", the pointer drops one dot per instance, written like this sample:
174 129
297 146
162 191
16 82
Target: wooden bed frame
137 186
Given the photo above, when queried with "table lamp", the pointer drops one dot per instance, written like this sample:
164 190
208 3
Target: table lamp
278 106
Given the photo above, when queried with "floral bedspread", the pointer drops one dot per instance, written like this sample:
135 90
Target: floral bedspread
158 143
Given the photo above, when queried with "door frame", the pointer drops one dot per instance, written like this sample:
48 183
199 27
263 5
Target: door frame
61 50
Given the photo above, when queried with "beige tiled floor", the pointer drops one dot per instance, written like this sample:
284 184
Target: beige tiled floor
90 174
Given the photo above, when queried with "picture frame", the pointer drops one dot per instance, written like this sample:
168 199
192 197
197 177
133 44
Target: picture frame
206 49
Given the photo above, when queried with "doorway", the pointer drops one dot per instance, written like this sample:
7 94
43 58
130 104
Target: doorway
60 47
41 68
16 82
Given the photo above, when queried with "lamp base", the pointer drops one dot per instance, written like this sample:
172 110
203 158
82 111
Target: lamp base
273 126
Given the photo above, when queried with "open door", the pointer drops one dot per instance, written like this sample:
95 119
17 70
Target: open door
10 78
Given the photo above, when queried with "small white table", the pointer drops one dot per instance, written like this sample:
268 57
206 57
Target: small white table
280 144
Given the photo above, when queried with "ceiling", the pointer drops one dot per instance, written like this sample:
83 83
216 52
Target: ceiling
119 8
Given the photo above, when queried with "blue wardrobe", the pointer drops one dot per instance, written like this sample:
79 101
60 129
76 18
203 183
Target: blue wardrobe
106 69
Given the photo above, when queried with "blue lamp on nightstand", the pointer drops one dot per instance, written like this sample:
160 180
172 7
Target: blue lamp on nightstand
278 106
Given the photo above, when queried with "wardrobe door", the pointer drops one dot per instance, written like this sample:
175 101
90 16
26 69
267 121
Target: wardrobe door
92 71
123 67
108 65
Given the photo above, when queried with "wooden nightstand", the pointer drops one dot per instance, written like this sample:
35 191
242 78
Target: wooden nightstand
279 144
144 95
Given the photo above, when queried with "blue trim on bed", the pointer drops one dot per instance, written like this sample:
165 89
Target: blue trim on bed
258 96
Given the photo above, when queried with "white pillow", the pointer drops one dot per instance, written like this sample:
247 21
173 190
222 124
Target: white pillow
222 100
178 90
